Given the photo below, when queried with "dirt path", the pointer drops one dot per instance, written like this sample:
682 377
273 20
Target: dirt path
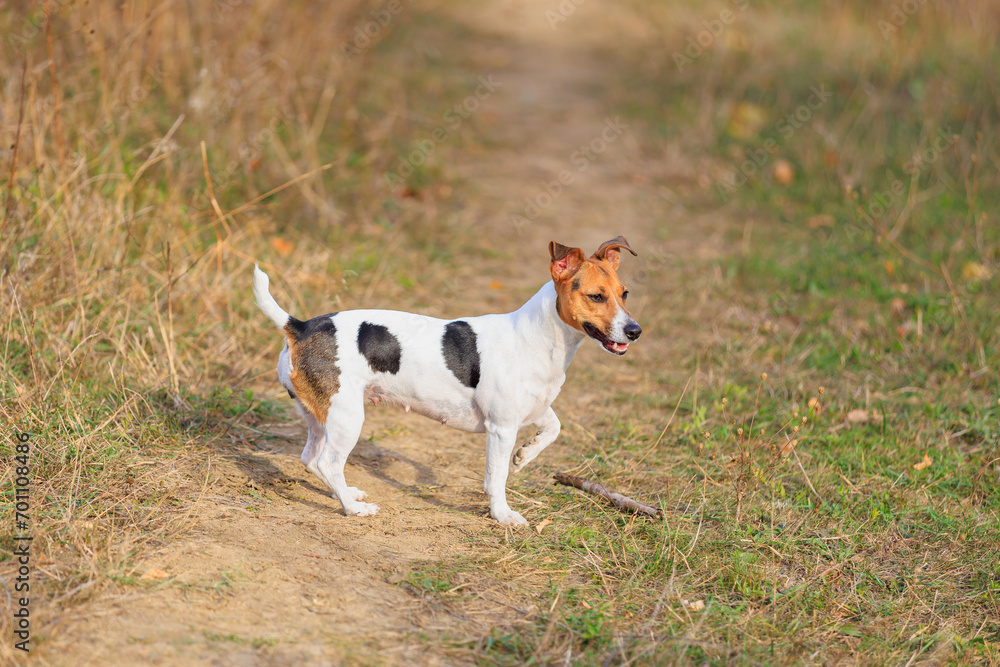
274 573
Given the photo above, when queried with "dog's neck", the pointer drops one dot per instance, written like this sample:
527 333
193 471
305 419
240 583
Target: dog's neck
540 317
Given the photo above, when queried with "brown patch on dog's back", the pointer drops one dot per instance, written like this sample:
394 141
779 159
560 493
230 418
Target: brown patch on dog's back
315 375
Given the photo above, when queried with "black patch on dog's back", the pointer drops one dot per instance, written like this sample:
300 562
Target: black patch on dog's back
460 352
300 330
379 347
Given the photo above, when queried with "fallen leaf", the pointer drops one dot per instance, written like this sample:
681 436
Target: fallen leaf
283 247
819 221
858 416
496 284
814 405
696 605
926 463
154 574
890 268
541 525
830 574
784 172
736 40
975 272
746 120
897 307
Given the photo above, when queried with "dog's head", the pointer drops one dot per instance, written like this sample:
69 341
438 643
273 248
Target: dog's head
590 296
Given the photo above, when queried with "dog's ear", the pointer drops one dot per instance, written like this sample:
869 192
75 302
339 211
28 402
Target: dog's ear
608 252
566 261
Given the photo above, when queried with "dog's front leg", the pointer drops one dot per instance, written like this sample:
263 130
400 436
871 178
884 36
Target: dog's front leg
500 441
548 430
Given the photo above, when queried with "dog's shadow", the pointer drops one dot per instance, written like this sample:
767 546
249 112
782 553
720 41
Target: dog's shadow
261 474
378 461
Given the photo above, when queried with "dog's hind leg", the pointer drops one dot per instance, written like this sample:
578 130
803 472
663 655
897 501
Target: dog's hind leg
314 442
343 428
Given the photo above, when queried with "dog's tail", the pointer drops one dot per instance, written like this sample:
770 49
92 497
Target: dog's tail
265 301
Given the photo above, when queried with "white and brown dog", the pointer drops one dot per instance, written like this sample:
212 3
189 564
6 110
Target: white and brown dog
492 373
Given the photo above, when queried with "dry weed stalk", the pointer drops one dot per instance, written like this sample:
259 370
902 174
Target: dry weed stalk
758 453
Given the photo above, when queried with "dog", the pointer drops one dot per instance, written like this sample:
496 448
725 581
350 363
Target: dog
490 374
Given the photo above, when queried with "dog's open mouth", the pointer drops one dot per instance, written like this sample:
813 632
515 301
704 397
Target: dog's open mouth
606 343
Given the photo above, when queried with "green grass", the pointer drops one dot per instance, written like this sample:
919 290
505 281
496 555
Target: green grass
796 575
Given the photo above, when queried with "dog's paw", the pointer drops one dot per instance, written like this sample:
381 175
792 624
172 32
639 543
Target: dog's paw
509 517
362 509
356 493
519 458
525 455
527 452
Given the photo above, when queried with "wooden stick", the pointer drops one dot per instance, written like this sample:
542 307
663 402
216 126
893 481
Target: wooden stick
615 498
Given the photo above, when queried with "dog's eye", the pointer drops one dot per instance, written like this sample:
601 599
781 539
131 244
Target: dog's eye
596 298
624 295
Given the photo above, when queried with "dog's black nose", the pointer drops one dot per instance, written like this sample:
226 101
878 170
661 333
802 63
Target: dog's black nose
633 331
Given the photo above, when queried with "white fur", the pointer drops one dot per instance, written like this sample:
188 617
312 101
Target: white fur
523 360
264 299
617 329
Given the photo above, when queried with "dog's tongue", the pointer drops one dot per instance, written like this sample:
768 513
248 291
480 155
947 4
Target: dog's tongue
619 347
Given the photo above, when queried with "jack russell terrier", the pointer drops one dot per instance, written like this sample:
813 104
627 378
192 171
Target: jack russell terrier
492 373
